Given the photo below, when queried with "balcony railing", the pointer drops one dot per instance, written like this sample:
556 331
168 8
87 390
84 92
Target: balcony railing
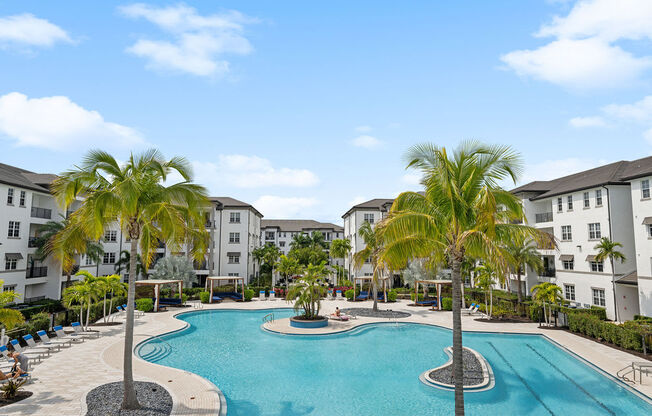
41 213
34 272
31 243
543 217
548 273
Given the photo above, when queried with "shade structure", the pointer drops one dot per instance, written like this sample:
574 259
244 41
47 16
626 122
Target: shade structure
363 279
437 283
156 284
210 282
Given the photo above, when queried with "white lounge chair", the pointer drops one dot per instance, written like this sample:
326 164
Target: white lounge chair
31 343
5 365
76 326
272 295
471 310
61 335
261 295
35 354
47 341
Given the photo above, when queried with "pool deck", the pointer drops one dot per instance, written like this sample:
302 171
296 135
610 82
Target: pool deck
61 382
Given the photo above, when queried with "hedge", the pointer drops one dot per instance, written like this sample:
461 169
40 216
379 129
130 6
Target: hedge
39 321
447 304
43 305
625 336
248 294
97 310
391 295
204 297
349 294
145 304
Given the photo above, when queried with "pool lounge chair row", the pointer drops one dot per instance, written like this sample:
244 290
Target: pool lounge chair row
365 295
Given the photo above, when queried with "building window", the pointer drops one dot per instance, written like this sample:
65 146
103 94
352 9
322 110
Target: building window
234 218
566 233
234 258
281 243
234 238
570 202
369 218
368 260
598 297
109 258
110 236
14 229
568 264
21 201
11 263
649 231
587 203
645 189
560 205
89 260
597 266
10 196
594 231
269 235
233 274
598 198
8 288
569 292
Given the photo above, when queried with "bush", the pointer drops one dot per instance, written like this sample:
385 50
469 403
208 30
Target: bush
642 318
447 304
629 335
204 297
145 304
349 294
391 295
346 282
248 294
412 296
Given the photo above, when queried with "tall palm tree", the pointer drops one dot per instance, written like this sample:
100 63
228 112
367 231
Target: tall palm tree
521 255
608 249
373 251
258 254
547 293
136 196
125 260
288 266
91 289
270 257
340 249
457 216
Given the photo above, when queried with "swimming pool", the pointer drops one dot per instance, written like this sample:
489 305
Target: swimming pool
374 370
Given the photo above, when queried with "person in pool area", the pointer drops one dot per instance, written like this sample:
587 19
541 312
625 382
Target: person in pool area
337 312
20 367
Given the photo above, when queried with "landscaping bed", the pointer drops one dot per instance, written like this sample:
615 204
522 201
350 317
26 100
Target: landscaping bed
105 400
370 313
21 395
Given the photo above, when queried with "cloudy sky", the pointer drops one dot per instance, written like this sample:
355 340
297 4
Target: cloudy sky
305 108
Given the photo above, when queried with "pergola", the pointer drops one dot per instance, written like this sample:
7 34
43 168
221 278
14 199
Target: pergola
210 281
437 283
156 284
364 279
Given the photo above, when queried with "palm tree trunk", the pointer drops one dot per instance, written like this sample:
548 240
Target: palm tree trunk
88 312
613 288
458 365
104 307
520 290
111 303
129 400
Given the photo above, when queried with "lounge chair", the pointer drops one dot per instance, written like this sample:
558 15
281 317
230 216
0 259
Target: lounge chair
471 310
261 295
32 345
137 313
426 302
10 361
342 317
217 299
35 354
61 335
47 341
76 326
272 295
364 295
122 313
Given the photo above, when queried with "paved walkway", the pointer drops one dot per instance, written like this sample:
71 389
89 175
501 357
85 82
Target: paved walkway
62 381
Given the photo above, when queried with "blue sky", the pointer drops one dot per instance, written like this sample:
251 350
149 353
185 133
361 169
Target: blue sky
304 108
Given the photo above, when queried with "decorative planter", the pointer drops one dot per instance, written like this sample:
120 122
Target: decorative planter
303 323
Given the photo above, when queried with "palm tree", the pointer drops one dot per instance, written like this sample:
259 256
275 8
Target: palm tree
308 292
456 217
608 249
288 266
373 251
125 260
74 294
91 289
135 196
484 279
115 288
521 255
340 249
9 318
270 257
544 293
258 253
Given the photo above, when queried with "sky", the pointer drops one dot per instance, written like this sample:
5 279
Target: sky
306 108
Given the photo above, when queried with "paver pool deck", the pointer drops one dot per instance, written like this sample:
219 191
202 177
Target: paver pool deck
61 382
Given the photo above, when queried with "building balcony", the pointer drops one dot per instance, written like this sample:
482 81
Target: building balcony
41 213
31 243
543 217
200 265
548 273
35 272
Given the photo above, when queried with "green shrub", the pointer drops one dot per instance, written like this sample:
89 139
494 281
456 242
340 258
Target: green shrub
248 294
346 283
145 304
391 295
628 335
643 318
349 294
447 304
412 296
204 297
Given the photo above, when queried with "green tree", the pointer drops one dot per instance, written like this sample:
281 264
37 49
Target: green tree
288 266
91 288
372 251
136 196
547 293
174 268
340 249
125 260
608 249
271 255
456 216
115 288
484 279
308 292
9 318
258 254
522 254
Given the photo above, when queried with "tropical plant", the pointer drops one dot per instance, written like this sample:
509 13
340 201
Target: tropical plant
546 293
340 249
308 255
258 254
11 387
457 216
372 251
307 292
125 260
608 249
484 279
287 267
521 255
116 288
136 196
91 289
174 268
9 318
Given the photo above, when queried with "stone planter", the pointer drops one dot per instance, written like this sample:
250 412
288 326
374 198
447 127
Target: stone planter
303 323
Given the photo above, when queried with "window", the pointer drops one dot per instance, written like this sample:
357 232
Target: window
597 266
11 263
598 198
234 258
234 218
598 297
649 231
269 235
110 236
14 229
566 233
109 258
281 243
645 189
587 203
8 288
234 238
368 260
570 202
10 196
568 264
21 201
89 260
233 274
594 231
569 292
560 205
369 218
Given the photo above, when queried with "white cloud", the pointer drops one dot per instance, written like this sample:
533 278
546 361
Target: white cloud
640 111
583 54
57 123
280 207
363 129
251 172
198 43
29 30
551 169
368 142
592 121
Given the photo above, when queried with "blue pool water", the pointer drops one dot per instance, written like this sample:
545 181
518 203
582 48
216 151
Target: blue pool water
375 370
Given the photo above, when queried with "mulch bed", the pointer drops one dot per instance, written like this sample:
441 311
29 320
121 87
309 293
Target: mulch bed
370 313
106 323
21 395
105 400
472 371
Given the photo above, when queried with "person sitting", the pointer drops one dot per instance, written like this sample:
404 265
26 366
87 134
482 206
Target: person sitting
337 313
20 367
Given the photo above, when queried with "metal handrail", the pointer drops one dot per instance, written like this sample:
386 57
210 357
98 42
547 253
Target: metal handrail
268 318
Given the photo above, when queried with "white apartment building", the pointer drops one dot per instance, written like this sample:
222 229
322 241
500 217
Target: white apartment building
579 209
281 232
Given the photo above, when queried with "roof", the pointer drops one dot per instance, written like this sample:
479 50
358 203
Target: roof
22 178
299 225
617 173
373 204
228 202
628 279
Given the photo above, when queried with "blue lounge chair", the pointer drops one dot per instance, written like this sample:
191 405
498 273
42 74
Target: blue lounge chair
381 296
76 326
32 345
217 299
364 295
426 302
61 335
47 341
36 354
137 313
169 301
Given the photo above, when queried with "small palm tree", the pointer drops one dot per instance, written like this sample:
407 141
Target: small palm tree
258 254
308 291
484 279
373 250
547 293
91 289
288 266
608 249
125 260
115 288
270 257
340 249
75 295
522 254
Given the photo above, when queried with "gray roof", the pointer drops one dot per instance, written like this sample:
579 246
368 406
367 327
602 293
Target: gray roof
618 173
228 202
22 178
372 204
299 225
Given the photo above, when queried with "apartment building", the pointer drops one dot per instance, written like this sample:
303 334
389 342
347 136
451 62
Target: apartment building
579 209
281 232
